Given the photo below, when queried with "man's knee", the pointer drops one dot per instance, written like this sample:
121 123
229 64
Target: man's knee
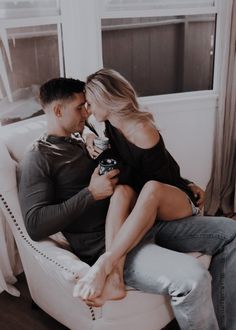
224 227
189 279
198 282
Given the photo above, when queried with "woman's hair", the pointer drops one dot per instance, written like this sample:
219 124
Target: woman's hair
111 90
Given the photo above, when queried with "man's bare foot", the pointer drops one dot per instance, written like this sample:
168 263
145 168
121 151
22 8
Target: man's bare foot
114 289
91 285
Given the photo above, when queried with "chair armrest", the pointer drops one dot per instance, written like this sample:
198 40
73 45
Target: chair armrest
67 263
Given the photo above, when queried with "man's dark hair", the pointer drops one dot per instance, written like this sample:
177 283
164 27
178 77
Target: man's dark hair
59 89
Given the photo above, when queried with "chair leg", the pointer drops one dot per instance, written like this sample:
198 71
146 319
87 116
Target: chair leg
173 325
34 306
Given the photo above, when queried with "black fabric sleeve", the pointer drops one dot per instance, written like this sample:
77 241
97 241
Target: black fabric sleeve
161 166
42 215
187 181
154 165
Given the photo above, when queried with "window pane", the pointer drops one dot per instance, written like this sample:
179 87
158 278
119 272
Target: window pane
34 57
161 55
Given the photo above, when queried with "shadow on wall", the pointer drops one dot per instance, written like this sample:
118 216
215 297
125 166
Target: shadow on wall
6 121
24 106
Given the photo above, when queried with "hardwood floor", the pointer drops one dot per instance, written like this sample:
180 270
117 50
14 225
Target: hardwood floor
16 313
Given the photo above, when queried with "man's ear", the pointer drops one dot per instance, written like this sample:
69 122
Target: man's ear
57 109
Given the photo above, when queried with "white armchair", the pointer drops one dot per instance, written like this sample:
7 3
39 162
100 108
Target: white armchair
51 269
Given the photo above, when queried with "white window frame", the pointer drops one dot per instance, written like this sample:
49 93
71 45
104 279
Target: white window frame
27 22
81 21
218 7
82 37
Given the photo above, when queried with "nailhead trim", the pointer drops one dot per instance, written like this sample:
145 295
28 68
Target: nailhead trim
92 313
37 250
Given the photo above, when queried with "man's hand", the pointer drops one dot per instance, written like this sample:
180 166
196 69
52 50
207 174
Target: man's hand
102 186
199 194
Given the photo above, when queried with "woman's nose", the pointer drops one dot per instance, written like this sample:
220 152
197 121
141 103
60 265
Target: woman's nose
88 109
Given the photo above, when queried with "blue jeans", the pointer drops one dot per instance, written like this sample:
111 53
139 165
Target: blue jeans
156 265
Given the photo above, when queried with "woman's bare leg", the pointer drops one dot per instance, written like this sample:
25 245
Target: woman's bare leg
156 200
121 204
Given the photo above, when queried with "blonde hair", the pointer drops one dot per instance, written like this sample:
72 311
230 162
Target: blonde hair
111 90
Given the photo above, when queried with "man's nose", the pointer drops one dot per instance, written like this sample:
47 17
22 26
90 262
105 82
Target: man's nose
85 113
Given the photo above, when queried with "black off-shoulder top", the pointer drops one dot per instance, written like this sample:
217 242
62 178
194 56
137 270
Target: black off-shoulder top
155 163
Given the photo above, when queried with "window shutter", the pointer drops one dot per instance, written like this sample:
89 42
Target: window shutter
128 8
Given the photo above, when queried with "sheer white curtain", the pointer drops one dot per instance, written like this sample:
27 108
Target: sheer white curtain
10 264
220 194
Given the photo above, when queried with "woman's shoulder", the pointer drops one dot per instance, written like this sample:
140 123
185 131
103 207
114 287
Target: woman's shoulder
145 135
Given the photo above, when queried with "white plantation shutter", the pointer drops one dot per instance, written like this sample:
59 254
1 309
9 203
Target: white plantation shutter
131 8
31 8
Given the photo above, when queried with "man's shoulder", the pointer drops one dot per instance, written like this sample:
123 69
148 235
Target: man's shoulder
36 151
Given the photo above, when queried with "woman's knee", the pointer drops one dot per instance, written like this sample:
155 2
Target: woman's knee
153 189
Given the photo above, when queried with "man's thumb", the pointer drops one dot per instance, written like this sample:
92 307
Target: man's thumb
96 171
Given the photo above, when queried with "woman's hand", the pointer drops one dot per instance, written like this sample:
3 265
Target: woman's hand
199 194
93 151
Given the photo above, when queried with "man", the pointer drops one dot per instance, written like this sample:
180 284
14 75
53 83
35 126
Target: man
55 186
60 190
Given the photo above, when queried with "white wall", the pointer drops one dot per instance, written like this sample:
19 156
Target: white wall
187 126
81 37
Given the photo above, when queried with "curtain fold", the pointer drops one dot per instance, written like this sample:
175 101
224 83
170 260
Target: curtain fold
220 192
235 201
10 264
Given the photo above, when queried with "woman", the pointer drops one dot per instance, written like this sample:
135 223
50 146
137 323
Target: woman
163 194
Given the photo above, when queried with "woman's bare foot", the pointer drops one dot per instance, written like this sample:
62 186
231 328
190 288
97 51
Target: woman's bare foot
114 289
91 285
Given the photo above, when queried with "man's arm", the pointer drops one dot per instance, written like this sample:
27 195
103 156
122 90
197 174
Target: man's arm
42 215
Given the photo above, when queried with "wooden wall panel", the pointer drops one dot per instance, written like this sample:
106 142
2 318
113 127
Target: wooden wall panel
117 51
198 61
34 60
162 59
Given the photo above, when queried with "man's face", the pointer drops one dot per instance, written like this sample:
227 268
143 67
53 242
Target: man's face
73 114
99 112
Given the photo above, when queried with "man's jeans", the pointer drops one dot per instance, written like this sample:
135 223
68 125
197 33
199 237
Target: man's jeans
152 266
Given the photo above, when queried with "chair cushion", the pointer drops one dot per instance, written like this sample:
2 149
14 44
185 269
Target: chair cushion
19 136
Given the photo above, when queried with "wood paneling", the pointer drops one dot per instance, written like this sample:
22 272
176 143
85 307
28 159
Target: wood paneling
34 60
161 58
198 61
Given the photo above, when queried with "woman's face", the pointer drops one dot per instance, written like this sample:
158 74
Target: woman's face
99 112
